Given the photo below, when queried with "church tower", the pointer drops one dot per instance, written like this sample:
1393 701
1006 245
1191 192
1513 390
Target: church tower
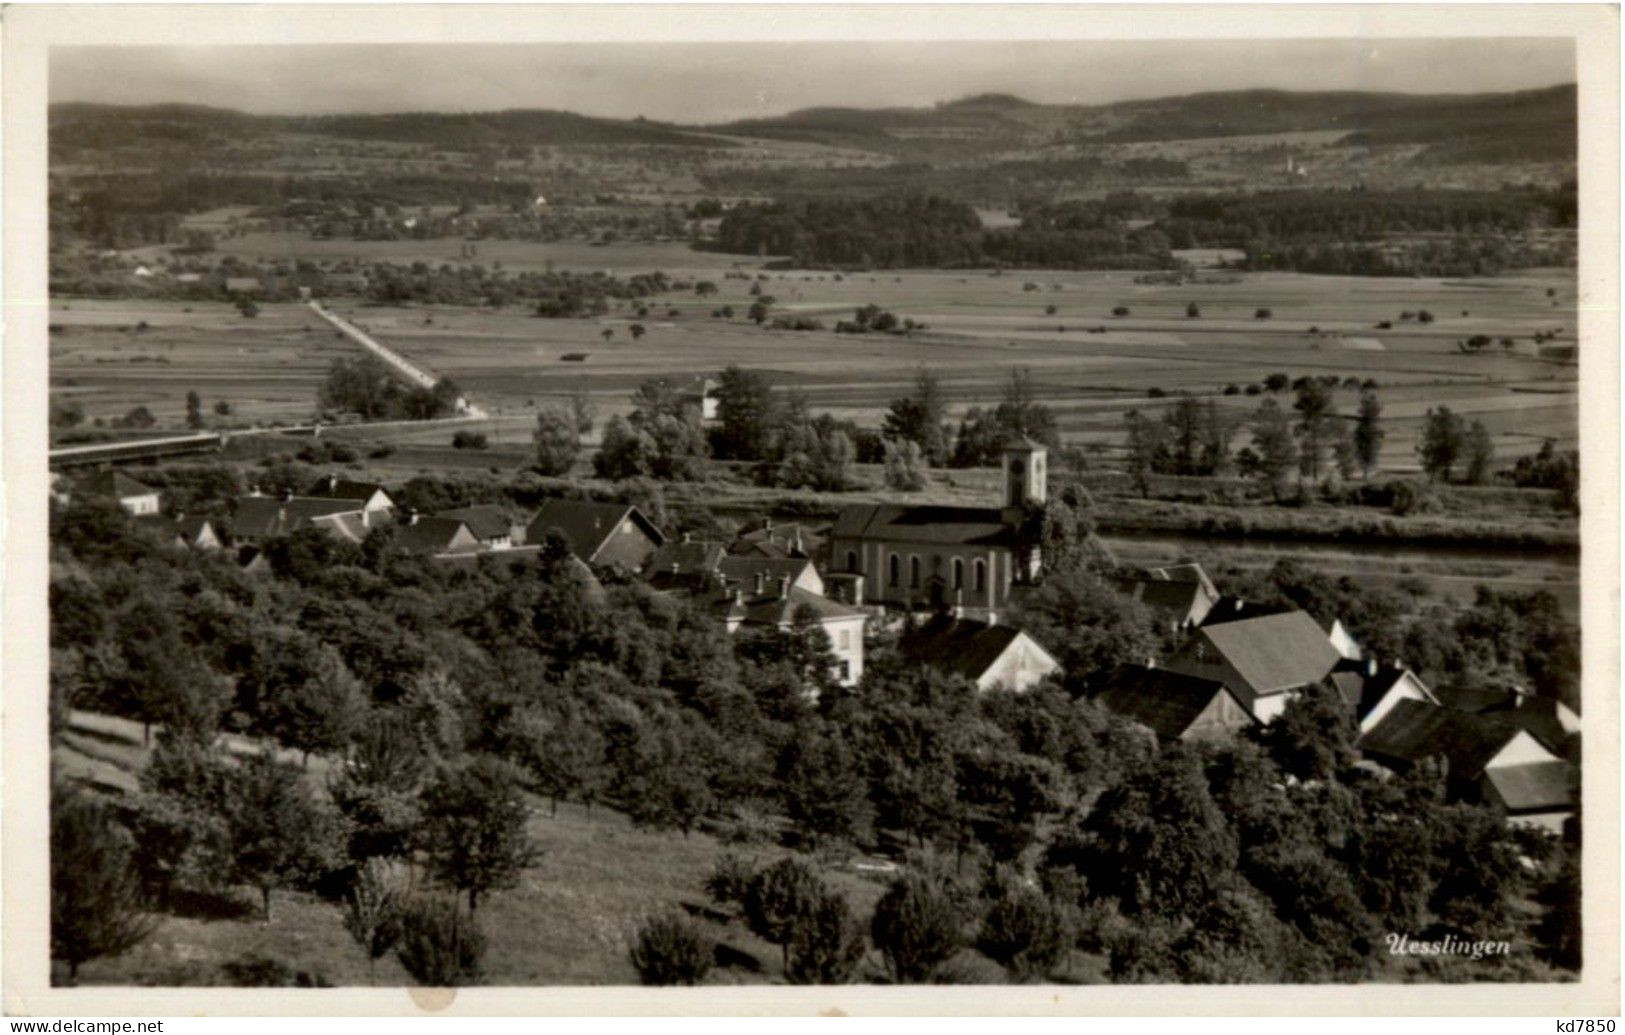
1024 476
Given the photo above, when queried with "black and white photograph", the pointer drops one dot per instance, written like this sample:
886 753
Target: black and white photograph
1011 510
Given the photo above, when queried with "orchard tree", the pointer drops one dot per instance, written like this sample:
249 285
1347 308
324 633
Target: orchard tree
779 899
917 928
827 945
98 907
280 836
474 827
558 441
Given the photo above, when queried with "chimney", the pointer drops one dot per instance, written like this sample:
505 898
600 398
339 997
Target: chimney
761 578
332 483
287 494
784 585
1370 667
411 516
675 567
739 596
685 537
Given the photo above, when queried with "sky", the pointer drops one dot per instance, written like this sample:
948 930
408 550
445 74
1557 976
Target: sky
702 83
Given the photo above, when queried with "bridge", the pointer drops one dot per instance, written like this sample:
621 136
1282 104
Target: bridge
135 449
404 368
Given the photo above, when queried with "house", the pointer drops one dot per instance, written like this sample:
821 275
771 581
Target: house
946 557
1371 689
1470 745
1181 595
801 572
1172 705
1264 661
135 498
790 539
684 564
489 525
257 518
195 533
701 395
1540 794
777 604
991 656
601 534
435 536
1547 719
374 498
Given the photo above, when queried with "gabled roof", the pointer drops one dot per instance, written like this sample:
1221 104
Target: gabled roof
485 520
116 484
188 529
979 526
1189 572
960 646
1165 702
771 608
588 525
430 535
1178 598
335 488
1414 730
1536 786
268 515
736 568
1273 652
1362 684
1235 609
687 557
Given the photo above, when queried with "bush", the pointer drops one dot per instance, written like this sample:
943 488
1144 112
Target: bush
470 440
1023 931
916 929
729 880
827 945
779 899
439 946
1262 313
1121 310
1412 498
672 950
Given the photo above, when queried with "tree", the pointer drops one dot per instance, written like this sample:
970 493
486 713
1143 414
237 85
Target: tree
565 756
1277 451
583 411
746 414
194 410
1192 311
624 451
1020 414
670 949
637 331
920 418
1480 449
825 792
279 835
1022 931
439 946
827 945
373 911
318 712
904 466
916 927
779 899
1313 737
474 827
377 787
1317 412
1442 443
1146 448
97 903
557 441
1369 433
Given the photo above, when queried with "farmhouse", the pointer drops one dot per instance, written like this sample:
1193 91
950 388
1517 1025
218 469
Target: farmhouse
700 395
1264 661
1371 689
135 498
374 498
683 564
1181 596
195 533
489 525
1541 794
791 539
991 656
1172 705
600 534
435 536
945 557
257 518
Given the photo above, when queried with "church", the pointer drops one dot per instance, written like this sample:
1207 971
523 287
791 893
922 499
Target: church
964 559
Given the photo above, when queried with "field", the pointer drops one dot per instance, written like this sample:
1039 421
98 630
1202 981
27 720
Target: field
1086 364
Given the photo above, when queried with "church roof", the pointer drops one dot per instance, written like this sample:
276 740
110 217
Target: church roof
968 526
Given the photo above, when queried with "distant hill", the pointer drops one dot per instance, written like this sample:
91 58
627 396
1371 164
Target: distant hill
1531 123
104 125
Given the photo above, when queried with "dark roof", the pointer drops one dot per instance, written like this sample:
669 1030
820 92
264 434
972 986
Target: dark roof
1274 652
185 528
1414 730
1536 786
1177 598
1362 684
685 558
116 484
268 515
743 569
484 520
1165 702
957 645
429 535
1235 609
1475 699
335 488
774 609
980 526
587 525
